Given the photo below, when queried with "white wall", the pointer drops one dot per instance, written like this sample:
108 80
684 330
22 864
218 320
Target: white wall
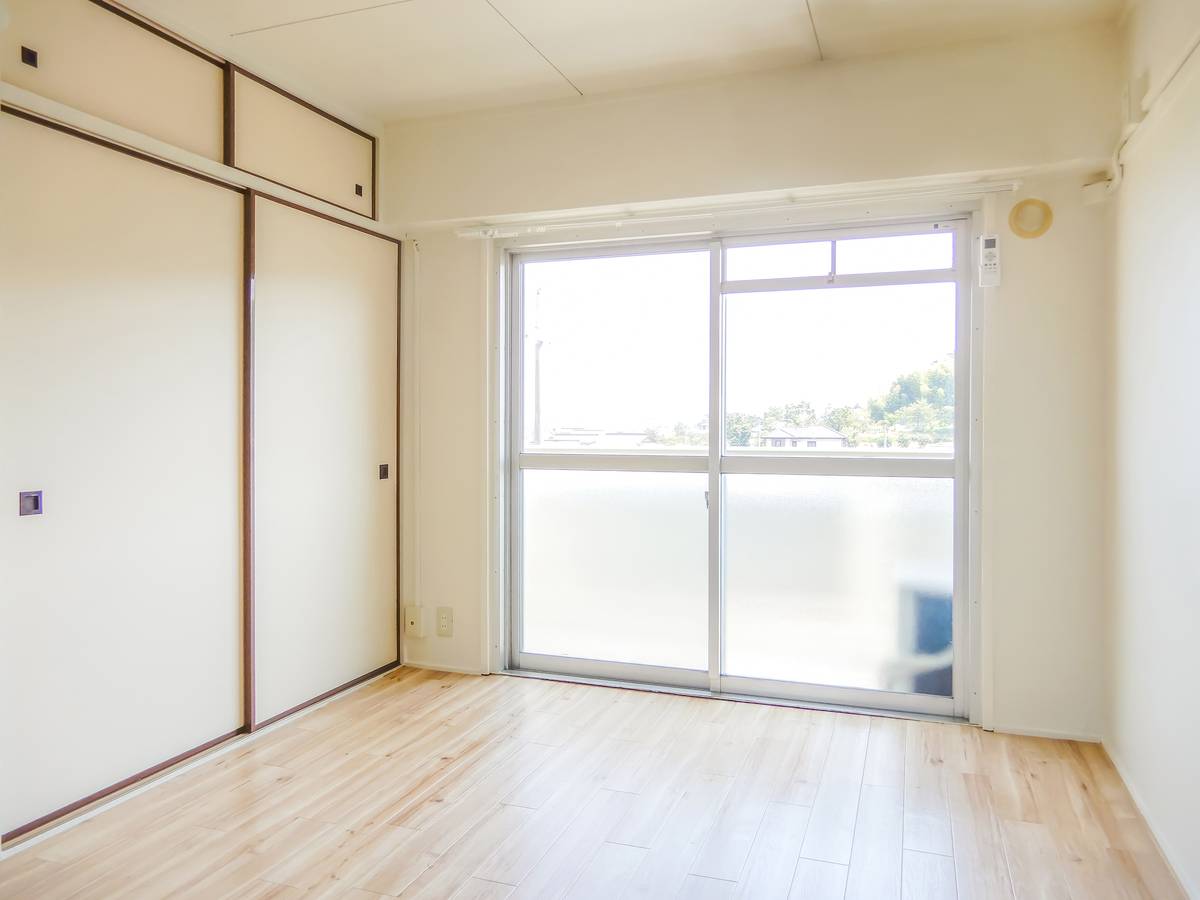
1153 729
1047 328
1154 40
1021 103
446 444
1045 466
1045 459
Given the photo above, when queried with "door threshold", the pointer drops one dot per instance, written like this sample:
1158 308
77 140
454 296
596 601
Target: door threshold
736 698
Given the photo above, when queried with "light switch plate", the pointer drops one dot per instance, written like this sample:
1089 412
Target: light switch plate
445 621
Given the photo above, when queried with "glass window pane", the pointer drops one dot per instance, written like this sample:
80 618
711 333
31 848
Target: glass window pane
842 581
615 566
616 353
848 370
778 261
902 253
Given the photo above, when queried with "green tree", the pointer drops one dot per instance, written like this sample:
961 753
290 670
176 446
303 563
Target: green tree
681 435
852 422
918 408
798 414
740 428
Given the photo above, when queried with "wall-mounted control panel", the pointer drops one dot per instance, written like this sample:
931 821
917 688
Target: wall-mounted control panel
989 260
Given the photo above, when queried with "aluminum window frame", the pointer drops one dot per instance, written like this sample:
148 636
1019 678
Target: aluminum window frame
960 466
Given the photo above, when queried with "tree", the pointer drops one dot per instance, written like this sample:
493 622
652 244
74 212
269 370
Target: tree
798 414
740 428
852 422
681 435
916 410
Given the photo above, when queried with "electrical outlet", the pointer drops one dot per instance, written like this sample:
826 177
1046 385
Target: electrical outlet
445 621
414 621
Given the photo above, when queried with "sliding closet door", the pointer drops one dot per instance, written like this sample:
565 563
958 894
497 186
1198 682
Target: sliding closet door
96 60
297 145
325 351
120 317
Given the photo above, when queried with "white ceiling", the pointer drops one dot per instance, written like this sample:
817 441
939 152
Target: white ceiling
394 59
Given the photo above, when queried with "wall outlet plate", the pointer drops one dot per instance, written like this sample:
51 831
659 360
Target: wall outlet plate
414 621
445 621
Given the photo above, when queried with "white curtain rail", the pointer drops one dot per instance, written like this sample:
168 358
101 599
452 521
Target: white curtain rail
697 215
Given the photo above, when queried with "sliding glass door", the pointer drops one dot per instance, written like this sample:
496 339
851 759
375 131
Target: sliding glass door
809 543
611 386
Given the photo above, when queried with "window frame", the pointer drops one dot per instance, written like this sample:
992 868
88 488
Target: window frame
721 460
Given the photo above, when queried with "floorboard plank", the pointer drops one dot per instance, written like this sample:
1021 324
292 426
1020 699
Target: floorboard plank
830 831
772 863
607 873
876 854
928 876
816 880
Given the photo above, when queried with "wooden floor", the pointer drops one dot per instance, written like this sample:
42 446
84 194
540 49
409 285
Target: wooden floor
430 785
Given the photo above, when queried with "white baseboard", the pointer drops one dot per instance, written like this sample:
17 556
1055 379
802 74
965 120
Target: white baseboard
1189 889
1049 733
440 667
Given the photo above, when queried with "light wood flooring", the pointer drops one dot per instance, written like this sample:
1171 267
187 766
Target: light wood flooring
431 785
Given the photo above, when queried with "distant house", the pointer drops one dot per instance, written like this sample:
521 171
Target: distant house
806 437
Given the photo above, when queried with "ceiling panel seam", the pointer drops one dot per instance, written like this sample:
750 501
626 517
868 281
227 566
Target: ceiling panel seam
812 22
549 62
344 12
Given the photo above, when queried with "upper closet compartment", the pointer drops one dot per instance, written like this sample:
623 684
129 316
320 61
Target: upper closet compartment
282 138
102 60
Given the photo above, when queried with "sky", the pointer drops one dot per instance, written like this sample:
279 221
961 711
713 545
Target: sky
624 340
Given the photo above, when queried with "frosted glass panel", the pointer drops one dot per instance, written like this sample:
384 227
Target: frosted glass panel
615 566
778 261
841 370
843 581
902 253
616 353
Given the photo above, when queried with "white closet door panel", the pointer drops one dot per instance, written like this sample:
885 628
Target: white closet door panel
325 420
283 140
120 321
96 61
